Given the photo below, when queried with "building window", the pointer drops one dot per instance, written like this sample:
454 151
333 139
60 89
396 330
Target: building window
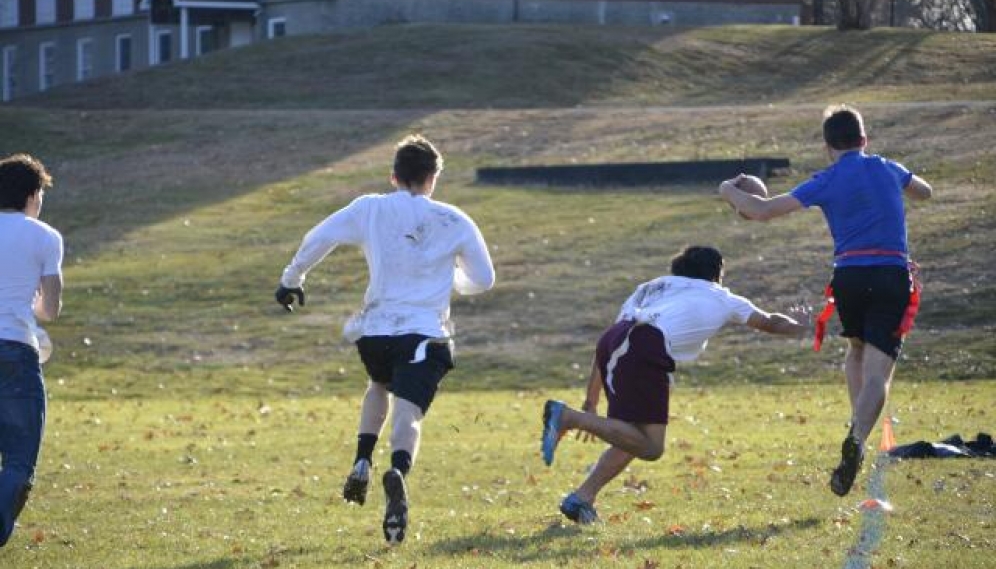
204 42
9 14
122 53
83 10
84 59
122 7
164 46
44 12
276 27
9 72
46 66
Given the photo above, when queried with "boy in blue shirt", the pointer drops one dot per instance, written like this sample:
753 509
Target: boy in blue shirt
876 295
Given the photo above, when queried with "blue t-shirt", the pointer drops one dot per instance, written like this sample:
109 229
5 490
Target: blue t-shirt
861 197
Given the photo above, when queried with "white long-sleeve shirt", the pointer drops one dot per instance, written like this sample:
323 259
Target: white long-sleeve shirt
687 311
418 251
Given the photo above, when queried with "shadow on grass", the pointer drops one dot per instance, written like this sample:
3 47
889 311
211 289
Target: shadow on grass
277 557
797 64
216 564
559 541
116 172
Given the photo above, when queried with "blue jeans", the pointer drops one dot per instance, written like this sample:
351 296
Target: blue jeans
22 421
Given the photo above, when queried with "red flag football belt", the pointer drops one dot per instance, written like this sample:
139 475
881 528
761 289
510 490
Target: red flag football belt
916 287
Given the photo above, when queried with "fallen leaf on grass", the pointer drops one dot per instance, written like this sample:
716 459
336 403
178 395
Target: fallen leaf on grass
633 483
644 505
676 530
617 518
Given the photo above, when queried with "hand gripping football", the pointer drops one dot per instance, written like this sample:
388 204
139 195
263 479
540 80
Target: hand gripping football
751 185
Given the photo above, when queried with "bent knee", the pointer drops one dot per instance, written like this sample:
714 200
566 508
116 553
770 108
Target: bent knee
652 452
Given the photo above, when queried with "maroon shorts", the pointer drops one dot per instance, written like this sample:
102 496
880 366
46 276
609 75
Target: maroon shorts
635 376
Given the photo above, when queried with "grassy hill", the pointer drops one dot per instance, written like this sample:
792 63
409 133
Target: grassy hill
479 67
186 405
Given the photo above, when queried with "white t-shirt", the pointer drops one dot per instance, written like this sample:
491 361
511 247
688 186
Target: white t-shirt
687 311
30 249
417 251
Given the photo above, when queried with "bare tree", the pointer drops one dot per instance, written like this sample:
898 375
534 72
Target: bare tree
952 15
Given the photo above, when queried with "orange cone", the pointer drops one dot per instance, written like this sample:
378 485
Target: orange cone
888 437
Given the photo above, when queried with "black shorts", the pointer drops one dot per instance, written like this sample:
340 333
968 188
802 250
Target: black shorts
636 379
390 360
871 302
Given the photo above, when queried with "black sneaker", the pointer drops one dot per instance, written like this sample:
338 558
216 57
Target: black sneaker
850 463
396 511
355 489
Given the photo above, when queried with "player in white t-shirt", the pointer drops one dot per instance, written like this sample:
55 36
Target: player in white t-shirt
30 288
418 251
668 319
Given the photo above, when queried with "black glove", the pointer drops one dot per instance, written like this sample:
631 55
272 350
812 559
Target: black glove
285 297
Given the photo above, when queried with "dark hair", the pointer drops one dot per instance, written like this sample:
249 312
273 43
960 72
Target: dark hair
697 262
415 160
21 177
843 127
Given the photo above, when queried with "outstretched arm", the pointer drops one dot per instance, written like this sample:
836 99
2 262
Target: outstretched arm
756 207
338 228
918 189
795 324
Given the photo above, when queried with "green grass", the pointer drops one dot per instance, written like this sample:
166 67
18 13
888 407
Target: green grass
193 424
480 66
231 482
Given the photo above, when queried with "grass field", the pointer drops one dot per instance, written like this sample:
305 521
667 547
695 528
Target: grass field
194 425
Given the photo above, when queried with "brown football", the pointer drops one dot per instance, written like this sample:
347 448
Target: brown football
751 185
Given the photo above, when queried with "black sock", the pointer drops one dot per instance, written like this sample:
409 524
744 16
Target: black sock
365 444
401 460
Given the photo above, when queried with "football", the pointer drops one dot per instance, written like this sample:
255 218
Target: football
751 185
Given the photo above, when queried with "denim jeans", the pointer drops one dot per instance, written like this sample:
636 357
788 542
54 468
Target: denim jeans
22 421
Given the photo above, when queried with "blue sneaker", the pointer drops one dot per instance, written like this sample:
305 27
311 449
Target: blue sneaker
552 412
577 510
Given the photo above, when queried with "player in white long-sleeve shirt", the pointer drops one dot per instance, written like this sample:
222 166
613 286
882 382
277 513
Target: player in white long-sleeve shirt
418 251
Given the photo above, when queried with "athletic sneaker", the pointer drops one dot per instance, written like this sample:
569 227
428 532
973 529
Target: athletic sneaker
552 412
850 463
577 510
355 489
396 512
